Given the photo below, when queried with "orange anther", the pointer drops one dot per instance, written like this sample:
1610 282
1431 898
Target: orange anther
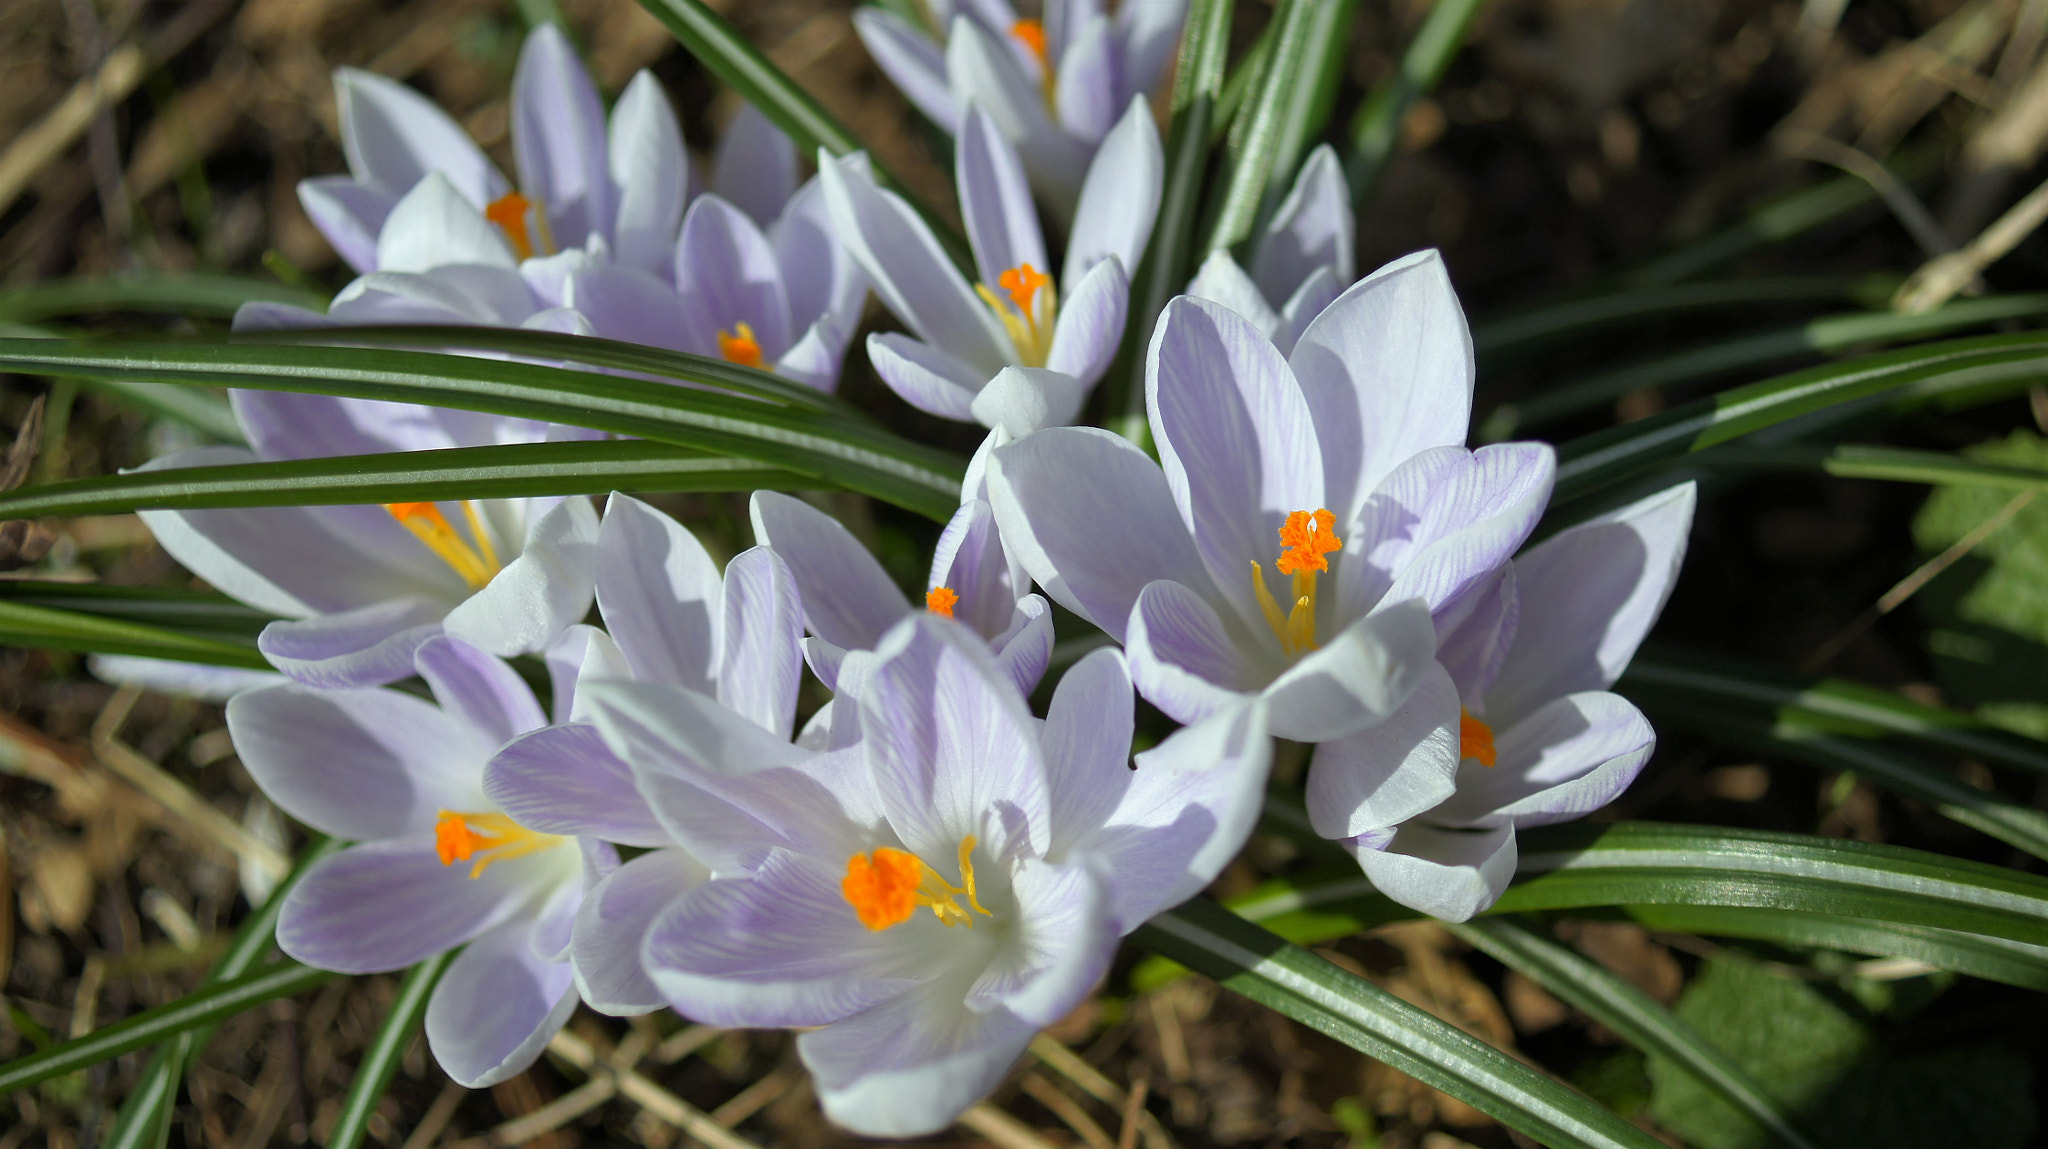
454 841
1031 33
427 511
940 600
1307 538
1023 282
882 886
740 346
1475 739
508 211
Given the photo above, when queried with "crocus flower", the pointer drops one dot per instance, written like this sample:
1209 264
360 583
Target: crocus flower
1301 262
360 588
850 602
1018 349
931 896
1531 738
435 865
727 646
1341 464
1053 86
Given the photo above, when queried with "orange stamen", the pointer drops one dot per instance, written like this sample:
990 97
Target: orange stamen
473 558
1475 739
882 887
740 347
488 838
1031 33
1023 282
508 211
454 841
1307 538
939 600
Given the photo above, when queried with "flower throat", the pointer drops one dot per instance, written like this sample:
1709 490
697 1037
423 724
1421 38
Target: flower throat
1305 538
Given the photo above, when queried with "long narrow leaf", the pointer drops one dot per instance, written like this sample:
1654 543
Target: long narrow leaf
24 625
1251 165
1892 464
512 471
1636 1016
207 613
178 293
1211 940
201 1007
1310 95
1994 959
380 1060
1377 124
1499 338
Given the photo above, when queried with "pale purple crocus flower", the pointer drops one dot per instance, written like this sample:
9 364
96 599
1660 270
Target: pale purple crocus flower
1341 464
1054 87
435 865
360 588
1301 262
727 646
1033 846
1019 349
1530 738
850 602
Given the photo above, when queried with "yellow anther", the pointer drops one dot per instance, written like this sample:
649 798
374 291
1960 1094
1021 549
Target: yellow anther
739 346
1030 312
940 600
885 886
474 558
1305 538
522 219
487 837
1475 739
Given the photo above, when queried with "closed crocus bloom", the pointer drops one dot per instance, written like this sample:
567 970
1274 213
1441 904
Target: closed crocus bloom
932 896
1018 349
1526 737
1053 85
1301 262
1312 522
436 864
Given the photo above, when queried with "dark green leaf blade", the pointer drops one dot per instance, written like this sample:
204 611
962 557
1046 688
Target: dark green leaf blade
380 1060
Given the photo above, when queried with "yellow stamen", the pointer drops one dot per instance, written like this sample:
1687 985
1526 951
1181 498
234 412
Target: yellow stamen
487 837
474 558
886 886
1030 313
511 213
1305 538
740 347
940 600
1475 739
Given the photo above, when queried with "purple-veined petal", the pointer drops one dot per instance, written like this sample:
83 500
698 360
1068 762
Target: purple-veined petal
283 425
780 947
612 924
1389 772
969 560
1148 32
1086 87
1358 677
1091 323
1311 229
262 315
405 760
995 201
650 170
1091 554
1184 657
926 377
388 904
190 679
848 599
1564 761
1589 596
1447 874
1021 400
1087 745
1221 280
911 61
582 653
367 646
558 135
1213 773
481 692
804 241
983 71
450 293
497 1007
1025 650
394 137
547 276
1064 23
1471 520
350 214
761 660
1120 200
1318 291
565 780
727 274
541 592
1235 441
633 306
434 225
755 168
1059 947
660 594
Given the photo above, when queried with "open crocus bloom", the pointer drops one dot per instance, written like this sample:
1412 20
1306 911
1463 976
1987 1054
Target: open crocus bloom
1301 262
850 601
361 587
1278 570
932 896
436 864
1018 349
1053 85
727 647
1527 739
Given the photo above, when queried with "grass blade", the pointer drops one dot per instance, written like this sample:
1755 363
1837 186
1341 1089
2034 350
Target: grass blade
1262 966
1377 125
1521 332
176 293
380 1060
1992 959
1636 1016
1307 101
198 1008
1250 168
25 625
1893 464
185 611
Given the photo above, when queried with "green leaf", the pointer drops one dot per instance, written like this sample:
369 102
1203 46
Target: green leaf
191 612
201 410
1245 958
198 1008
1890 464
1309 96
1376 126
380 1060
24 625
1166 265
1250 168
863 458
513 471
1818 336
1628 1011
1510 336
178 293
1994 959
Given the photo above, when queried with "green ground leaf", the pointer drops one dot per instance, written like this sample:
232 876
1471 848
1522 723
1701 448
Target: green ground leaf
192 612
1376 126
1249 168
25 625
1507 337
1993 959
380 1060
176 293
